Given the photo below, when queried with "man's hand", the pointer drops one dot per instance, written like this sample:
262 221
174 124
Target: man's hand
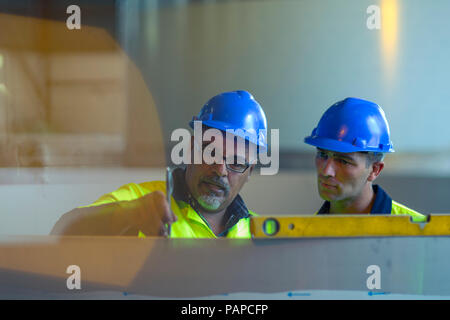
151 213
148 214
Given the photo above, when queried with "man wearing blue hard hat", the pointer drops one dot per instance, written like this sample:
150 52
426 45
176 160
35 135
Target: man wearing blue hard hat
351 139
205 202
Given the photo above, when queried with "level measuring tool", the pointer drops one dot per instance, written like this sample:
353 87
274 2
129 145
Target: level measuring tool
347 226
169 191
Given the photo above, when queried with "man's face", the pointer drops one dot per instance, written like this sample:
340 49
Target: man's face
341 176
214 186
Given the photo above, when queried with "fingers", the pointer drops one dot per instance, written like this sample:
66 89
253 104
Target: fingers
163 230
155 214
167 217
162 208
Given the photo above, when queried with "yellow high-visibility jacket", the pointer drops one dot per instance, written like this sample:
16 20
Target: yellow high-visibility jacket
189 224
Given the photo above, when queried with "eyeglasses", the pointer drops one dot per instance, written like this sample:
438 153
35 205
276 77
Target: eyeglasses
234 164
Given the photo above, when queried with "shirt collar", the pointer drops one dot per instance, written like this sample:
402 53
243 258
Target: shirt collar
236 211
381 205
383 202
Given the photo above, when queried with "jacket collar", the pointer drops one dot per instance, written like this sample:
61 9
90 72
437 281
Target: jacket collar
382 204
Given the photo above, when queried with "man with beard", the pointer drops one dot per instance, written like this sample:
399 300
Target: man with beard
351 139
207 202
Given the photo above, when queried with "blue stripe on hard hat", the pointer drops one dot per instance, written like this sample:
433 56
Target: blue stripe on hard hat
352 125
235 110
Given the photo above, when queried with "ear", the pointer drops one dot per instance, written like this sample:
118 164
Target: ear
376 167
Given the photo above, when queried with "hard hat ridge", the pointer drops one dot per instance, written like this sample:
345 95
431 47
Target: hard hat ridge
352 125
233 111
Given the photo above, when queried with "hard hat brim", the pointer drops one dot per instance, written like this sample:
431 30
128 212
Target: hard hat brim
340 146
224 127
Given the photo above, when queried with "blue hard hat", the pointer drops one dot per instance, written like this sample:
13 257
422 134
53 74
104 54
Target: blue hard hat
235 110
352 125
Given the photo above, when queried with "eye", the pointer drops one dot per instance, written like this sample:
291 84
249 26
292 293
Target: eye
235 164
238 166
344 162
321 155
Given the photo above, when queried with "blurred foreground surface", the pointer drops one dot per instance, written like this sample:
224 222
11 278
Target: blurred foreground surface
36 267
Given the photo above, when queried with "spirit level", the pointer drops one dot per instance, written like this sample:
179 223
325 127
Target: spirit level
347 226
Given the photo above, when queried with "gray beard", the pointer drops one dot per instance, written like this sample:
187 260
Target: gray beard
209 202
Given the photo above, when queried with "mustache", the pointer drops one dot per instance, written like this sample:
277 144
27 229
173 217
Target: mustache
218 182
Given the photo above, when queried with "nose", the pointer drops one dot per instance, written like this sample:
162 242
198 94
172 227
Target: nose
328 168
220 169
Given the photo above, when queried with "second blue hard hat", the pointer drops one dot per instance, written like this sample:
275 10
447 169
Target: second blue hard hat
352 125
235 110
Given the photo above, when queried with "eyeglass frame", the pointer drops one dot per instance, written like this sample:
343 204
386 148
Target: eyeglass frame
227 165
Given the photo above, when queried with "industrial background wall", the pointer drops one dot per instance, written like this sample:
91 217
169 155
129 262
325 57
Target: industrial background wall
84 111
33 199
